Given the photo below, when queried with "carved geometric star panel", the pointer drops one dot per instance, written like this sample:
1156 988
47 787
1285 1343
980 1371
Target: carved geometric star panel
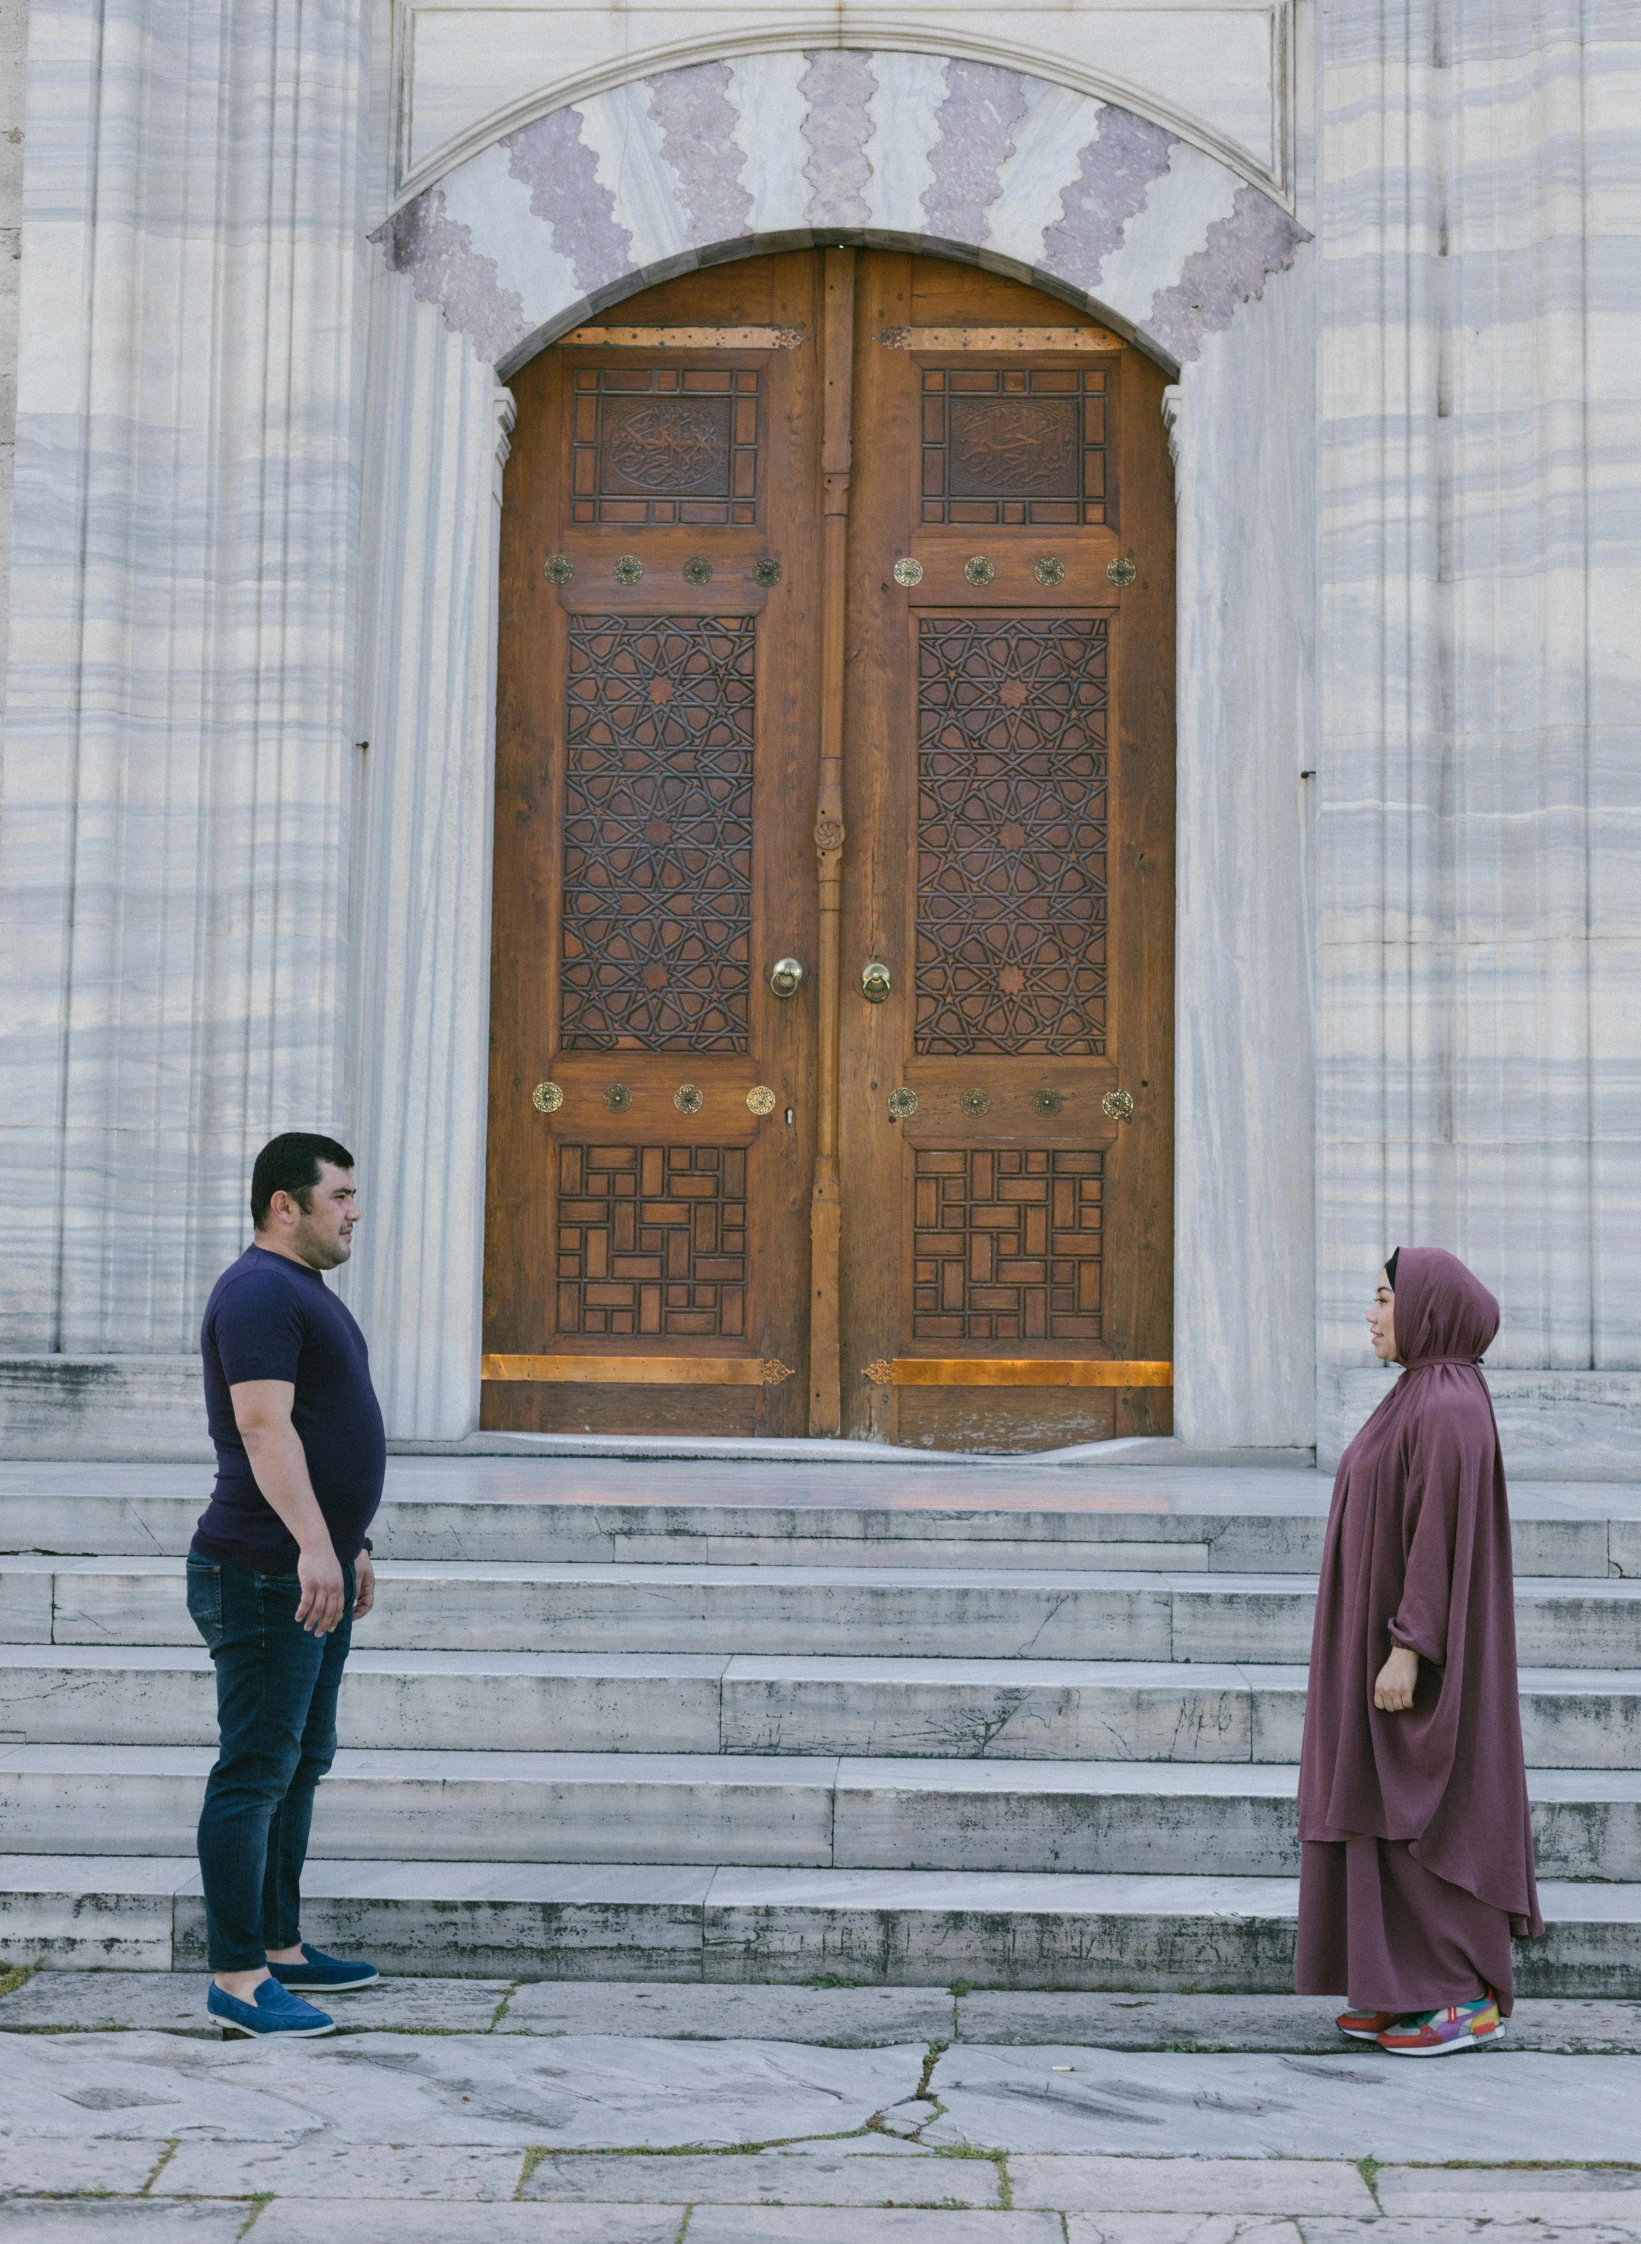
1016 444
658 444
652 1239
1012 834
1006 1245
657 911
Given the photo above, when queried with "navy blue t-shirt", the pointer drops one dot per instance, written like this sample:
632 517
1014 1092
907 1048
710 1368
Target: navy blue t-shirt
271 1318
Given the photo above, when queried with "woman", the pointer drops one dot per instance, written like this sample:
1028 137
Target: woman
1416 1854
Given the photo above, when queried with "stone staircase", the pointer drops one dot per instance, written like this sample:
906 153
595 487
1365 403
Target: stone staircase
1021 1726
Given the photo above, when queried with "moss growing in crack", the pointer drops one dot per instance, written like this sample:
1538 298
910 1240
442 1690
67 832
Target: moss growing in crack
931 2057
10 1981
160 2164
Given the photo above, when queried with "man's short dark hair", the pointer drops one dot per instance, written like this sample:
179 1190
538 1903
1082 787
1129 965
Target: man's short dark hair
290 1163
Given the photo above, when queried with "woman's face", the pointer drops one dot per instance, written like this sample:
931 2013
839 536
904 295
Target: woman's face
1382 1322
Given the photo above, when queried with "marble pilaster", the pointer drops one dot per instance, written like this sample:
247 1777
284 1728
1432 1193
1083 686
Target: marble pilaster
1479 780
422 895
173 881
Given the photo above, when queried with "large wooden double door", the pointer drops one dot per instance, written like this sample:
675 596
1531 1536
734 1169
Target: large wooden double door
832 967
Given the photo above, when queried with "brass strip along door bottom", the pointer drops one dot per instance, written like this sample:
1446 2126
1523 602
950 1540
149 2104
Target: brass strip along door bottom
640 1371
1027 1371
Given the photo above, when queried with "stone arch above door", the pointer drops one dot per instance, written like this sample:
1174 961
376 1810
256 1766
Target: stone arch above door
579 208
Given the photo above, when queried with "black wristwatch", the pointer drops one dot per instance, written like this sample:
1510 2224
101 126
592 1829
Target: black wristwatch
368 1545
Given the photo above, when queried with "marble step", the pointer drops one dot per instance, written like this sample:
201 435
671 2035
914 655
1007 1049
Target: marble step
667 1702
1273 1527
857 1611
792 1811
729 1925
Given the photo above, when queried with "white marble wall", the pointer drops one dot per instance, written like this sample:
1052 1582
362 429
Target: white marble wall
1408 986
179 762
469 72
13 96
1479 868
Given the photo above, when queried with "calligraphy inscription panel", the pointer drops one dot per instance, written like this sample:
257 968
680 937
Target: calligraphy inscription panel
652 445
1006 1245
1011 444
1012 821
652 1239
657 900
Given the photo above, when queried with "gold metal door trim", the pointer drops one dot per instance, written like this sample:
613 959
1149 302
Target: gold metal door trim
999 339
639 1371
1004 1371
686 338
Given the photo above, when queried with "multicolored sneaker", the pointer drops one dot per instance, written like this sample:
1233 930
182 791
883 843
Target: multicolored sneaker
1438 2033
1366 2025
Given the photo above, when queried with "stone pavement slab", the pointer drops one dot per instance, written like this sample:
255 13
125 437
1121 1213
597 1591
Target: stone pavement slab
1191 2185
174 2002
1397 2230
301 2221
747 2224
838 2017
50 2163
399 2170
1519 2193
581 2092
834 2175
1291 2023
140 2220
1489 2107
1188 2228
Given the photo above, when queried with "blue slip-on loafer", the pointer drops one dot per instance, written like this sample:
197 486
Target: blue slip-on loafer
273 2013
322 1974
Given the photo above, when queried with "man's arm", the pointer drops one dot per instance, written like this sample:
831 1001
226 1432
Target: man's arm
262 1412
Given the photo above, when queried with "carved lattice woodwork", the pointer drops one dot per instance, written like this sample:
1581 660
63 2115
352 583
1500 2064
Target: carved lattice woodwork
659 444
1014 444
1006 1245
657 897
1012 834
652 1239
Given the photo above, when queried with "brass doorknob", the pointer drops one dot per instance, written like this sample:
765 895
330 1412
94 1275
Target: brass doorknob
874 981
784 977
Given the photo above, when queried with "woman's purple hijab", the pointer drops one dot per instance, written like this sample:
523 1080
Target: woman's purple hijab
1418 1553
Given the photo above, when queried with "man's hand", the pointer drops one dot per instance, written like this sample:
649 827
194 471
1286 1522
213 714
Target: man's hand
364 1585
1393 1689
320 1607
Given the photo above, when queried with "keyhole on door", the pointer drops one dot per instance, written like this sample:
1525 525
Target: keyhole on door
789 1118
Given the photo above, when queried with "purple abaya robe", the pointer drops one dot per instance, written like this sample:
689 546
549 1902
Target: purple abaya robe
1416 1852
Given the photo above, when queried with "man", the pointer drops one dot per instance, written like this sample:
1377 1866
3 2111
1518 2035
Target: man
278 1571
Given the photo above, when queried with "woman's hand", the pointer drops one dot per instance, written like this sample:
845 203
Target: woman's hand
1393 1689
364 1585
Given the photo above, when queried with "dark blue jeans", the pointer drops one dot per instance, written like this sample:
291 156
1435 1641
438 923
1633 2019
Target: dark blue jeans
276 1717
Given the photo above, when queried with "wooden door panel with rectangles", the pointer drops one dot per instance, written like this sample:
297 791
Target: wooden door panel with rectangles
650 1119
1007 1217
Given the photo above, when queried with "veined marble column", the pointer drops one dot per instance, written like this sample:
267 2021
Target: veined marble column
438 437
179 767
1480 775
